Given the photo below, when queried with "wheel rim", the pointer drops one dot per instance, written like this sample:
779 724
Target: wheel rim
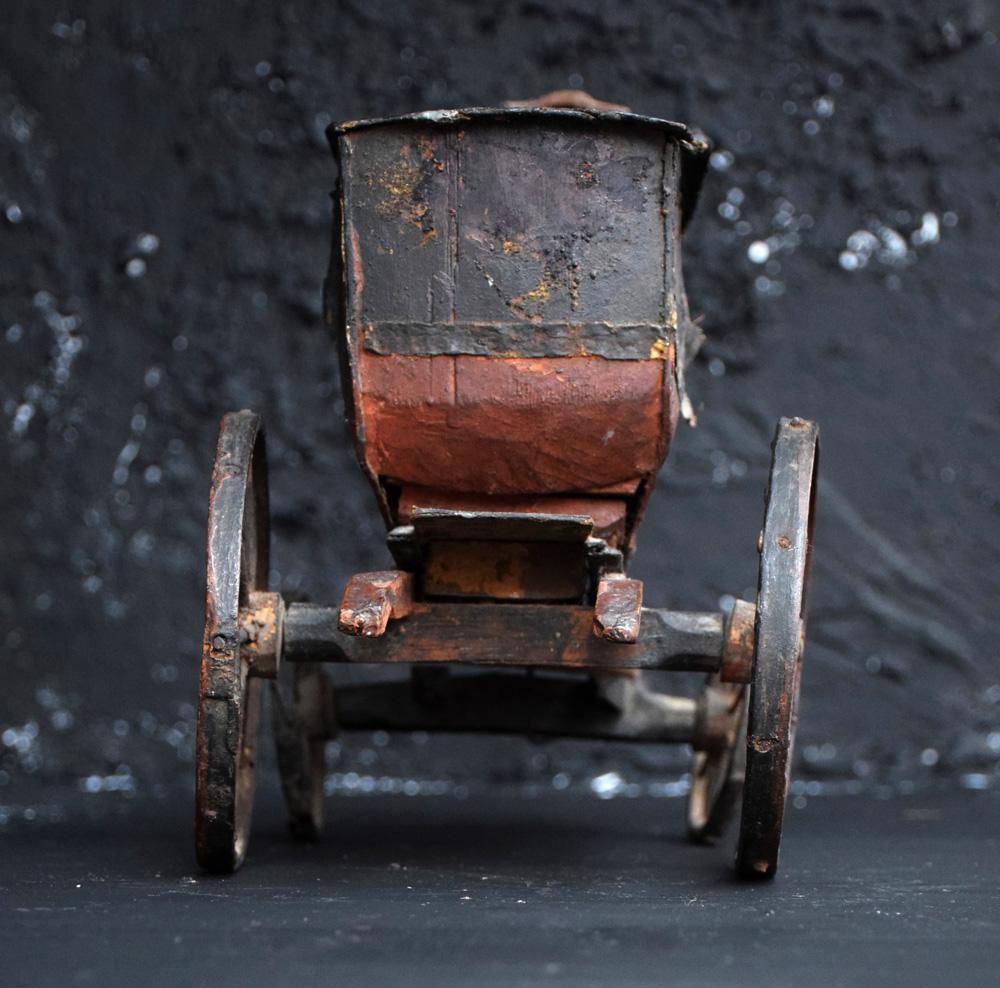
786 553
230 699
717 776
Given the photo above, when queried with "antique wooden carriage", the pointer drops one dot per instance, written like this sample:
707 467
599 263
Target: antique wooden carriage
506 289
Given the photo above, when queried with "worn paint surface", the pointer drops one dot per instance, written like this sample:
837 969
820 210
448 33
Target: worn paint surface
229 699
525 634
779 637
513 302
371 599
514 425
618 610
505 571
607 513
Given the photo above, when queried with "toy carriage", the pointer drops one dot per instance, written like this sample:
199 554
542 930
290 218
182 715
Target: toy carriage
506 290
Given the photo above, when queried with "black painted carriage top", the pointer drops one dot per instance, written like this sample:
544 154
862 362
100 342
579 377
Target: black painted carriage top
694 145
517 232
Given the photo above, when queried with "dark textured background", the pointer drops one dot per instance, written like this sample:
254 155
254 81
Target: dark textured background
164 227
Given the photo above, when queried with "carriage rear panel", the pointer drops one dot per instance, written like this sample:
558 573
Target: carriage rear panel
513 310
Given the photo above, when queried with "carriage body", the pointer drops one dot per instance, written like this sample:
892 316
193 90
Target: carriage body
511 306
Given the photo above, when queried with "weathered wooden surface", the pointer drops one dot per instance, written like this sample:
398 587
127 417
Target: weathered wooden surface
513 303
606 512
261 622
434 524
509 635
514 425
229 699
371 599
618 610
527 339
533 217
786 548
505 570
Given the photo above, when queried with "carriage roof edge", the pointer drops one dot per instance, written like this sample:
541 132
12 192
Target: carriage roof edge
694 145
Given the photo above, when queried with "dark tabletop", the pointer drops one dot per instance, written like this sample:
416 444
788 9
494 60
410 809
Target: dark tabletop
558 889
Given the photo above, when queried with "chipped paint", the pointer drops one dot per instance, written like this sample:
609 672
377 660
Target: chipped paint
400 183
531 304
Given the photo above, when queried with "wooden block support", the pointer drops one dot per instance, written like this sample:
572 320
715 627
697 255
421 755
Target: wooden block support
372 598
618 610
261 623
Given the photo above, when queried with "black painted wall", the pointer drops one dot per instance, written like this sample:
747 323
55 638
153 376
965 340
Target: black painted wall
164 226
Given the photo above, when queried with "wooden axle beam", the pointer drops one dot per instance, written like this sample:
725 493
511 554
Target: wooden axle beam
546 635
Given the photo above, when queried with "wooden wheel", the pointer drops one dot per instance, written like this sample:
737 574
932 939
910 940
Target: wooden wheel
300 706
717 775
786 549
230 699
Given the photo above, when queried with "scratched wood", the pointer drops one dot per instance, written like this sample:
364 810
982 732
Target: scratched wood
559 636
786 548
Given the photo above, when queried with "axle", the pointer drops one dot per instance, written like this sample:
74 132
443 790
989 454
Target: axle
509 635
524 635
551 639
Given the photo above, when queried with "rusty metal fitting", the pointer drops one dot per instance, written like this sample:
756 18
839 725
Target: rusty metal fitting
261 625
738 643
